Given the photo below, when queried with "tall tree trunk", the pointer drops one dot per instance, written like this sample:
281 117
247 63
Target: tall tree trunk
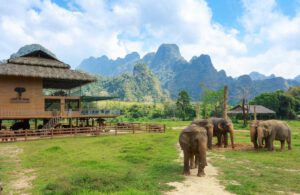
255 118
244 112
225 102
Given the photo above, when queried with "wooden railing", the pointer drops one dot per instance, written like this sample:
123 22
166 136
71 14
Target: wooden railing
93 112
108 129
66 113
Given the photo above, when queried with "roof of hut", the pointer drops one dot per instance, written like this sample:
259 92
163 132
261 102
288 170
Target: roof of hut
250 109
42 64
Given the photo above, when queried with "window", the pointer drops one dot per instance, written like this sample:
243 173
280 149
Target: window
52 104
72 105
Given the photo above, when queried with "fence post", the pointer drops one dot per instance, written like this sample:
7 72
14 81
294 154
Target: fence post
51 133
25 134
133 130
116 131
164 128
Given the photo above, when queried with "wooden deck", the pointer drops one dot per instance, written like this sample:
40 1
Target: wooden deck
108 129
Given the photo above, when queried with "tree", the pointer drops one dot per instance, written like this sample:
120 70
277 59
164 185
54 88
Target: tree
244 95
212 102
283 103
184 107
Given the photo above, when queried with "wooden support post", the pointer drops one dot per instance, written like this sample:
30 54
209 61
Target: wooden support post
35 123
77 122
116 131
225 102
255 118
133 130
51 133
164 128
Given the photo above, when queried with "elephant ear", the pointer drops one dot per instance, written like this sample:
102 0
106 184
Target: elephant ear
220 126
267 130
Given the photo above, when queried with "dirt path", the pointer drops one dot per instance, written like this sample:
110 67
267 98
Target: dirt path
192 185
20 179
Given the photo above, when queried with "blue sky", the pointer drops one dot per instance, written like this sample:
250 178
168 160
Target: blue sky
240 35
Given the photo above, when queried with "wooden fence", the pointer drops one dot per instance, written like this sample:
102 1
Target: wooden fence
108 129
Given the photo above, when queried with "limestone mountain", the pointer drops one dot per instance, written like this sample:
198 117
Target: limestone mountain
297 78
108 67
176 74
140 85
258 76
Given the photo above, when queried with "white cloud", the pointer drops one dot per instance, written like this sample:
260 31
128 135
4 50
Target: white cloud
272 38
114 28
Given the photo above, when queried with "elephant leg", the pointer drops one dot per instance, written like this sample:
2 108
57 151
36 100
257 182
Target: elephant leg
202 161
219 137
266 142
288 140
192 161
282 142
270 144
289 143
225 140
186 167
209 139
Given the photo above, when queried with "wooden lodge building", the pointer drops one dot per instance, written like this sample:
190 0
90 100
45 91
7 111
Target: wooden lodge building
38 86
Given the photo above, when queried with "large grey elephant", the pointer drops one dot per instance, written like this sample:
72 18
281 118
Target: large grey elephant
274 130
208 125
221 129
193 142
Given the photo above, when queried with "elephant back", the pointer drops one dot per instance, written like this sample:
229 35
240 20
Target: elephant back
206 123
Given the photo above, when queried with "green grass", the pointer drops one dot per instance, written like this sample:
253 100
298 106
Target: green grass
260 172
124 164
144 163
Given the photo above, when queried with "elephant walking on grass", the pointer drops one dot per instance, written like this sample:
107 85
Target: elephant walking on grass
193 142
271 130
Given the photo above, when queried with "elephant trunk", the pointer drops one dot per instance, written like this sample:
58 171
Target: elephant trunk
260 137
231 138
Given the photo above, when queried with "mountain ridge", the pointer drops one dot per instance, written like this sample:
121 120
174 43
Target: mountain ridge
175 74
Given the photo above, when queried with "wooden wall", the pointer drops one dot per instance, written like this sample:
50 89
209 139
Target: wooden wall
33 92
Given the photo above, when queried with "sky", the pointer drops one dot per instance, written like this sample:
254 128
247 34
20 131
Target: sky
240 35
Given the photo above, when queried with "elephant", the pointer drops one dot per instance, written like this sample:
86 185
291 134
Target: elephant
221 128
208 125
273 130
193 142
253 135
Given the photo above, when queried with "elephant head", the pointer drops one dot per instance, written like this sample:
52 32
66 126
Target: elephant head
226 126
208 125
263 131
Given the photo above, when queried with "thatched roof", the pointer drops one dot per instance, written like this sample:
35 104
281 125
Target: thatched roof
250 109
38 64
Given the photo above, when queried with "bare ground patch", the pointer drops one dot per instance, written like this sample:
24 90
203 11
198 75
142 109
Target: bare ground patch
192 185
20 179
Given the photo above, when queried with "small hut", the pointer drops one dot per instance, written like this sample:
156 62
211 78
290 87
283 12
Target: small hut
36 85
249 109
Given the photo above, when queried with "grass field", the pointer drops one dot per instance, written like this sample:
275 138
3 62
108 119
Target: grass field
141 164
